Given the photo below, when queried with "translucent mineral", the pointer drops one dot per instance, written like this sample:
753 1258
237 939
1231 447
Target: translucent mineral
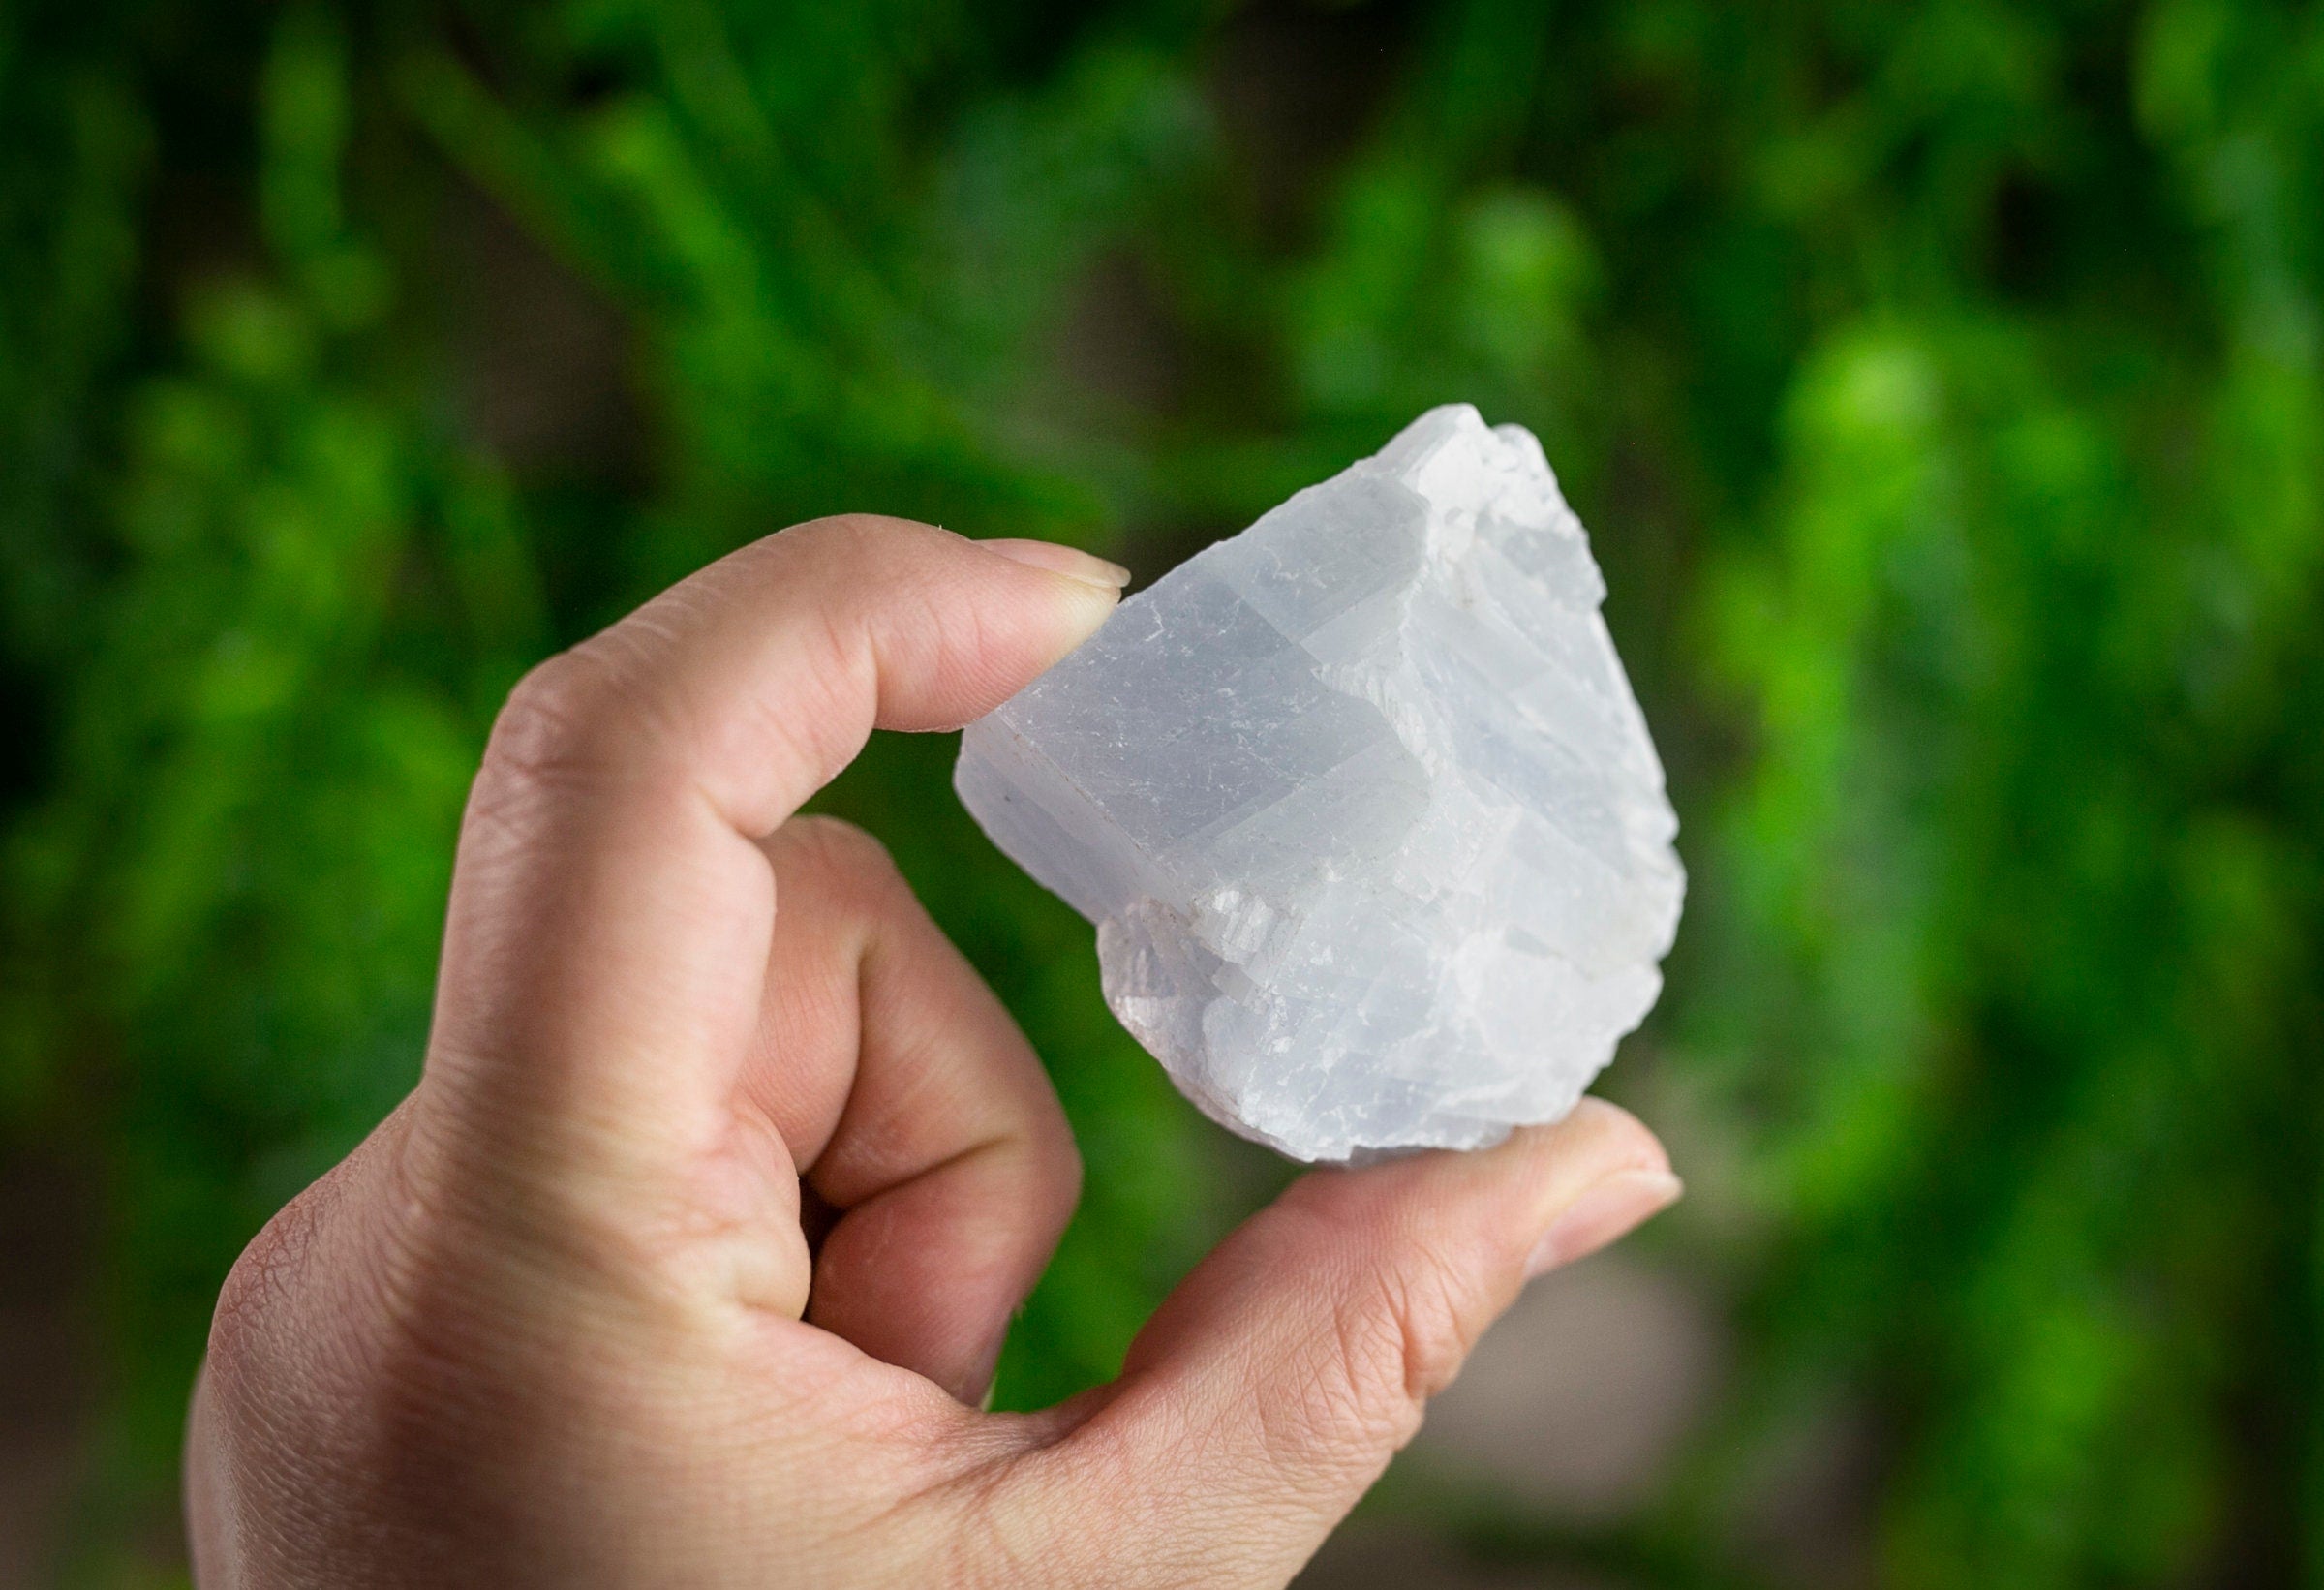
1361 804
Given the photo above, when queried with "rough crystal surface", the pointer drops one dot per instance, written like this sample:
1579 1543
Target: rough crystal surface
1361 804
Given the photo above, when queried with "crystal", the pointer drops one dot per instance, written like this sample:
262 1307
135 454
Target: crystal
1361 804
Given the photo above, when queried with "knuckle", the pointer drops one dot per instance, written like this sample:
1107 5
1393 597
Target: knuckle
841 848
574 721
1045 1170
851 881
1391 1351
546 723
1401 1332
1054 1165
1431 1312
840 546
842 535
1063 1163
260 1293
1361 1401
302 1310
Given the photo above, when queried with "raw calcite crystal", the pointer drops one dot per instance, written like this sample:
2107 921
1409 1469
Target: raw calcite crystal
1362 807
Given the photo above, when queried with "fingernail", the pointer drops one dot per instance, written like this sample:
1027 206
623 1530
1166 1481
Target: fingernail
1069 561
1610 1208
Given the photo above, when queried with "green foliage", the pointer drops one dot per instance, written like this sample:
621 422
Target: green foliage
1943 384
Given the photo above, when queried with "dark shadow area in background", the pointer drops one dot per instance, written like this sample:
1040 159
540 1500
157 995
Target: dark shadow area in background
45 1227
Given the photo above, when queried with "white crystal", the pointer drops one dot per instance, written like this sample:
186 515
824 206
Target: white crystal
1362 806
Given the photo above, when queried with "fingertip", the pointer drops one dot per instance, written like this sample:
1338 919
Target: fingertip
1502 1197
1544 1195
1606 1212
1601 1173
1089 605
1595 1135
1082 591
1056 559
1534 1172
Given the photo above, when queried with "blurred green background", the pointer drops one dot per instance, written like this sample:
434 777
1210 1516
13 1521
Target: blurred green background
1942 386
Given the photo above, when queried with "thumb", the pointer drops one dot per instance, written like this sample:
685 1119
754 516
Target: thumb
1272 1387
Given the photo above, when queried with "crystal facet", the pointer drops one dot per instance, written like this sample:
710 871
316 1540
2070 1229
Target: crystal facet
1362 806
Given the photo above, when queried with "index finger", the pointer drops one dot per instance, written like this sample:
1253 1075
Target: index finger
611 908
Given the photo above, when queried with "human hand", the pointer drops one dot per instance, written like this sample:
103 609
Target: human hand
557 1322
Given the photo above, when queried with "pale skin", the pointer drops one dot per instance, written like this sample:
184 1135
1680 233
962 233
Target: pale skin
557 1322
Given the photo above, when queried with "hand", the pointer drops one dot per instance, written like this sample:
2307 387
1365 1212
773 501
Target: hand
557 1321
